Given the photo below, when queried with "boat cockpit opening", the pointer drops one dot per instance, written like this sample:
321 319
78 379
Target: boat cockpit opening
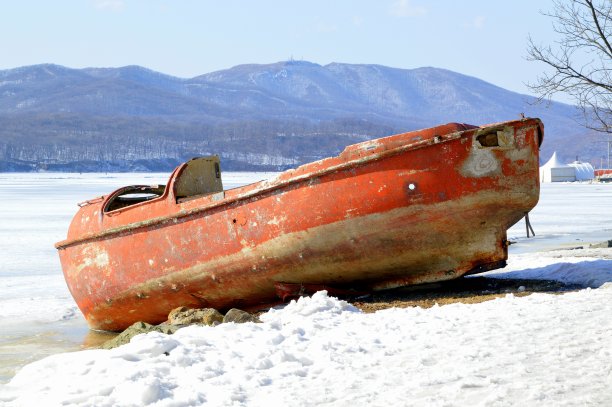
198 177
132 195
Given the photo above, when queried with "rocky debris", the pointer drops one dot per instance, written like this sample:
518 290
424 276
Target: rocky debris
197 316
178 318
464 290
239 316
138 328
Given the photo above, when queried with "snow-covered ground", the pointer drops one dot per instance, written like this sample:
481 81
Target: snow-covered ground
541 349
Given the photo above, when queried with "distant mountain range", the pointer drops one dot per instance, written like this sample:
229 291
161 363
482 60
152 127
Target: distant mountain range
256 117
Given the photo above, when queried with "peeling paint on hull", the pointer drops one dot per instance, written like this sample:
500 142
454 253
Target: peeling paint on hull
417 207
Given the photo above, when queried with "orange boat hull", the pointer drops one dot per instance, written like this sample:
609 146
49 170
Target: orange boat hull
413 208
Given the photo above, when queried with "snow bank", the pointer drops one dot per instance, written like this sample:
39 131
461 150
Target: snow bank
541 349
586 267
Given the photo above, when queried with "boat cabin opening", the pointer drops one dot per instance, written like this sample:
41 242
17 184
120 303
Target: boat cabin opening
132 195
197 177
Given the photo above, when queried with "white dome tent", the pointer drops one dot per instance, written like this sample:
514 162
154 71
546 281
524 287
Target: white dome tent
555 171
584 171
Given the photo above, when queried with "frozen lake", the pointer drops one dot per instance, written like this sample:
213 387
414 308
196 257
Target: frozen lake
39 317
568 215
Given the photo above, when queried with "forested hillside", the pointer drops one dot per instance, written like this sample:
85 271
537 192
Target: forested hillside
256 117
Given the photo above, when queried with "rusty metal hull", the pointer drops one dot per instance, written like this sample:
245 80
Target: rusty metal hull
417 207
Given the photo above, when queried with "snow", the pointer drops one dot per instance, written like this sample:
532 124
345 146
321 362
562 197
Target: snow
539 349
584 267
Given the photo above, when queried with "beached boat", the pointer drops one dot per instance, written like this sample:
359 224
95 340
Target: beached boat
417 207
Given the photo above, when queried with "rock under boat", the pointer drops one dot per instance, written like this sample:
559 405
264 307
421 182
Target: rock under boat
417 207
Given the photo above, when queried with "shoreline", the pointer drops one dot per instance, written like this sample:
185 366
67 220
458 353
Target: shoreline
21 345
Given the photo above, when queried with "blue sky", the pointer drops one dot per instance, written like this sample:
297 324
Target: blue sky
186 38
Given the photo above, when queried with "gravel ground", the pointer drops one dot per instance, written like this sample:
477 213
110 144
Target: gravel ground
468 290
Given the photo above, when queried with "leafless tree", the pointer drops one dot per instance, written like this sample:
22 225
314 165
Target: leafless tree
580 62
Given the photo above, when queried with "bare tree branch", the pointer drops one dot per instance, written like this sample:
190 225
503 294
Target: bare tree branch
580 64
